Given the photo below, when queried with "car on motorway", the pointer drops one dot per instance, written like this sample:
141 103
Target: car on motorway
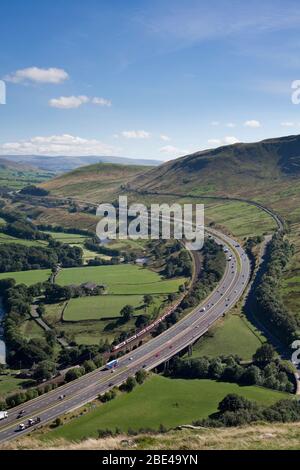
203 309
61 397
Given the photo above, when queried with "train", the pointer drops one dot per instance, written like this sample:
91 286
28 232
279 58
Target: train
149 327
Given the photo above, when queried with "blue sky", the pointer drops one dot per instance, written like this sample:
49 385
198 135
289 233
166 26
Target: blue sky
148 78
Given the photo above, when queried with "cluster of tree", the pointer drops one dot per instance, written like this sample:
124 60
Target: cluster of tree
213 267
179 264
33 190
253 241
55 293
15 257
270 304
24 229
270 372
17 301
235 410
21 397
104 262
83 353
61 229
93 245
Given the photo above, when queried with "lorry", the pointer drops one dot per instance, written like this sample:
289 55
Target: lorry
3 415
112 364
31 422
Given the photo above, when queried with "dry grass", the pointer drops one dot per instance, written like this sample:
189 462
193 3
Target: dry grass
262 436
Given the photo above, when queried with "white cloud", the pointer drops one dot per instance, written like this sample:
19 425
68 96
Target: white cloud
56 145
287 124
165 138
252 123
37 75
68 102
230 124
101 101
172 151
215 123
227 140
136 134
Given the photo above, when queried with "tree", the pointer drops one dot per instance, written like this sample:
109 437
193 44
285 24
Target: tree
89 366
130 384
148 300
234 402
44 370
127 312
74 374
140 376
264 354
41 310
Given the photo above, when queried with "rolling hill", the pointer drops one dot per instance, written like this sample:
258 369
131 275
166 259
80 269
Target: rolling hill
239 169
94 183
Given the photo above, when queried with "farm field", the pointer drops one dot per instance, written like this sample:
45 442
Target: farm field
121 279
159 400
234 335
28 277
99 307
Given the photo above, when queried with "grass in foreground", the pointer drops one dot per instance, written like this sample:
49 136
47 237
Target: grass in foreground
279 436
159 400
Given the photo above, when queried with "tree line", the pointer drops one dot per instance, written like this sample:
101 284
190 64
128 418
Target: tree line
270 304
266 370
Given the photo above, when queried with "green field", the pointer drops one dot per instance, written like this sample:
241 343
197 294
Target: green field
99 307
160 400
28 277
243 220
71 238
121 279
235 335
10 383
8 239
30 329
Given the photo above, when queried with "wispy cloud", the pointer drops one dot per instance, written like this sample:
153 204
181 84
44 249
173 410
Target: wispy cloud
136 134
71 102
227 140
172 151
56 145
252 123
165 138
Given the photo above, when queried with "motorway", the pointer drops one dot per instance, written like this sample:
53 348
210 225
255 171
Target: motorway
148 356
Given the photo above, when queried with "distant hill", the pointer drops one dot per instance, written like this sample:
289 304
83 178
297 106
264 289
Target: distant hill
98 182
64 164
233 169
16 175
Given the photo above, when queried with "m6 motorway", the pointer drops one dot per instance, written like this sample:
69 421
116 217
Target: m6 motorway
148 356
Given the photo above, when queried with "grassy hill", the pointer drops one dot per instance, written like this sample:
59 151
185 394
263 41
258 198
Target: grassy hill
94 183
